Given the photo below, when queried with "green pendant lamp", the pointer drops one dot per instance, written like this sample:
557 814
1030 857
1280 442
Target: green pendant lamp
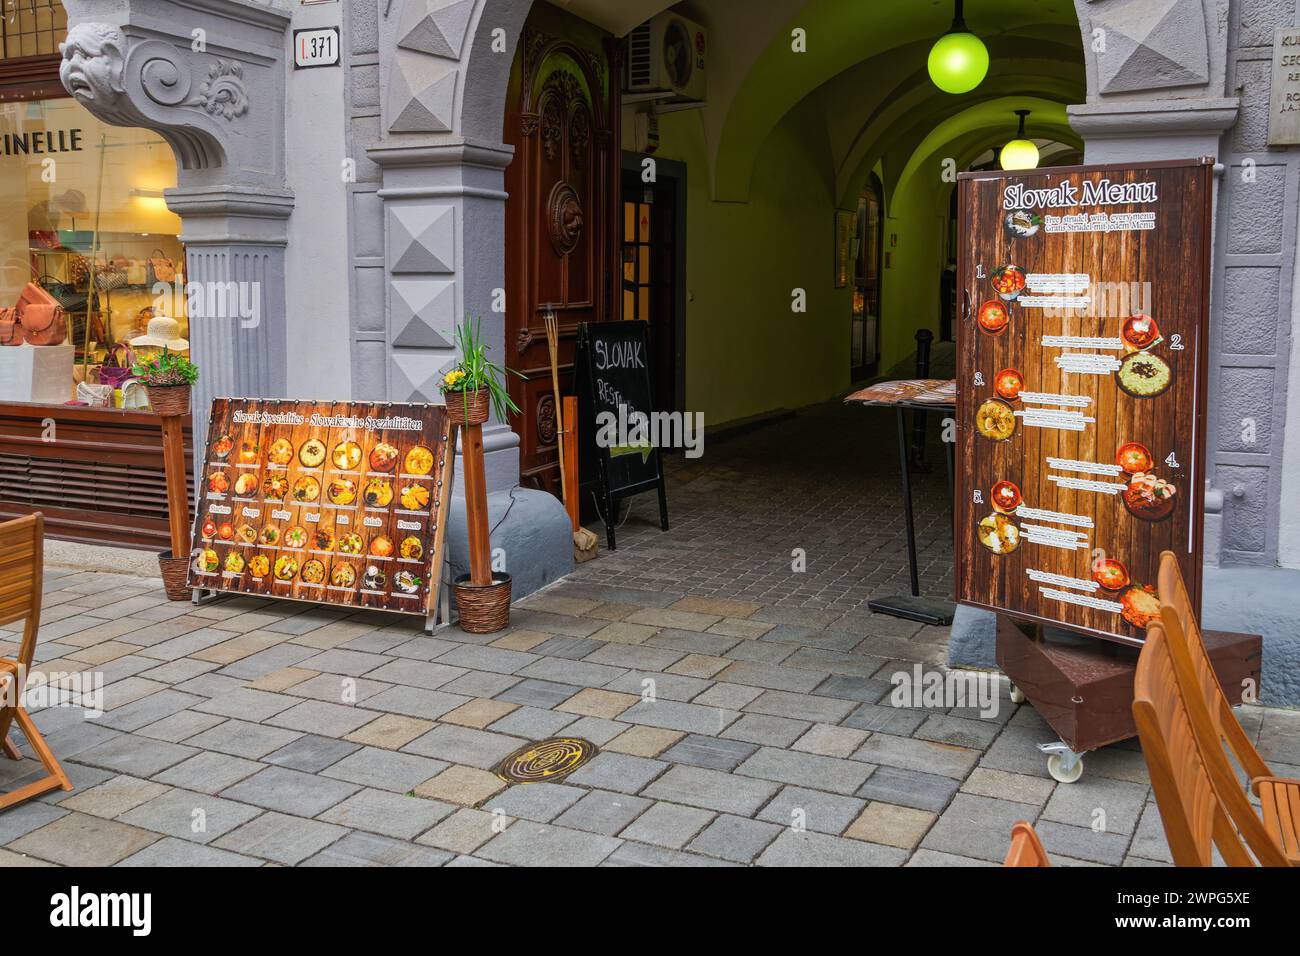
959 60
1020 153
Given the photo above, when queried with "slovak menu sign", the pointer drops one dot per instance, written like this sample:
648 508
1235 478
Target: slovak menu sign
337 503
1081 391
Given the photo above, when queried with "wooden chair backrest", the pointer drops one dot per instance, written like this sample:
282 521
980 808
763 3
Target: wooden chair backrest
22 562
1189 806
1174 600
1026 849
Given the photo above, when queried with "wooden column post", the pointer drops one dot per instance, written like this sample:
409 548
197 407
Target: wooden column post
476 516
569 462
178 499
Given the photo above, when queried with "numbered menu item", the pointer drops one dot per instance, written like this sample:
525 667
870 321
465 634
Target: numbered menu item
1081 381
334 503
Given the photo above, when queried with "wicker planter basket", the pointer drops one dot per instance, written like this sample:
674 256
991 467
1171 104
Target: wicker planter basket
174 571
485 609
169 399
479 403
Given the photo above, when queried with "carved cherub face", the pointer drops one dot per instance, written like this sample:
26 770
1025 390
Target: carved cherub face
93 60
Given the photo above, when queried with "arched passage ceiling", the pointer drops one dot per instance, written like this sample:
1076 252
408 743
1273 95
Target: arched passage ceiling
892 35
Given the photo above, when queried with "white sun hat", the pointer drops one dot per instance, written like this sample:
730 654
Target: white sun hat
162 332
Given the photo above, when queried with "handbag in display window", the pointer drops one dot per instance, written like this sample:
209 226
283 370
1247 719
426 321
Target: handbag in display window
161 267
111 276
41 317
11 333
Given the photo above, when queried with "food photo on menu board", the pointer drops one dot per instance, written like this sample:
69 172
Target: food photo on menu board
333 503
1081 382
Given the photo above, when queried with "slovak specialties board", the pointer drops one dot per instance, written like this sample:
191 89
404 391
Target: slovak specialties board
1081 391
335 503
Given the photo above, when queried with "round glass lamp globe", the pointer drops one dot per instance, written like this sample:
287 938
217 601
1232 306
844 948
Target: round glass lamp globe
958 62
1019 154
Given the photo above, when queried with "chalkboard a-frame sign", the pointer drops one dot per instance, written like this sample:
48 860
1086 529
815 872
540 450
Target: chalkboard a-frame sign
613 375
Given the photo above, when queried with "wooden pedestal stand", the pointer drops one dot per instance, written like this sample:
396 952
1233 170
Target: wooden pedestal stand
482 598
172 409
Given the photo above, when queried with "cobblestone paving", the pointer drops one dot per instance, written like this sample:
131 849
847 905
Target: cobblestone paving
741 720
246 732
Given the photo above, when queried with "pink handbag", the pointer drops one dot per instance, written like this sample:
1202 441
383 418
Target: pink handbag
41 317
11 333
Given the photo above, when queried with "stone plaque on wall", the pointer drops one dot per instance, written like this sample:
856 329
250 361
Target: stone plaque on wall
1284 106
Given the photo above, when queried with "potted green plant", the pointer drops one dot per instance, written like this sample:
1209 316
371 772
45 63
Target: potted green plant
482 596
476 382
167 377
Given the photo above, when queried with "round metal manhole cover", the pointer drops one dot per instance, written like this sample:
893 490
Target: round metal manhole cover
546 760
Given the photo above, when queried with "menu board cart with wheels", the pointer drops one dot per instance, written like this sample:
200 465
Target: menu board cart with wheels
1081 376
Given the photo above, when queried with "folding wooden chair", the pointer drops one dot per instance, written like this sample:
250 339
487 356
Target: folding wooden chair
1196 789
1026 849
1279 796
22 561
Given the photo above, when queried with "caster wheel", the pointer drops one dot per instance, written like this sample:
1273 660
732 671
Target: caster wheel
1056 767
1017 695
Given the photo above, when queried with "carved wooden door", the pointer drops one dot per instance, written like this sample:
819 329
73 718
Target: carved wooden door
562 119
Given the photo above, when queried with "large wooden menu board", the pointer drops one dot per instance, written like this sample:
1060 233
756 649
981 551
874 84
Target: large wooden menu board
335 503
1081 390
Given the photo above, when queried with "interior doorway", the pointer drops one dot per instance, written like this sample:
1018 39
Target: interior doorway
653 250
868 265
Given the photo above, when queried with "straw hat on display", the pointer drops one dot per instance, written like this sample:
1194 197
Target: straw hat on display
162 333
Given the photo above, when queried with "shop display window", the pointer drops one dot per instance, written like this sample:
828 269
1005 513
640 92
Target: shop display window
82 216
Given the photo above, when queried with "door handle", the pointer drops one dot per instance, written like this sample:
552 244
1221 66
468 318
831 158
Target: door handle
965 305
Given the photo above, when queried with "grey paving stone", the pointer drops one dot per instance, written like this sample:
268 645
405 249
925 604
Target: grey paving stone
268 661
422 648
773 677
385 769
693 642
847 687
571 672
674 715
920 755
180 726
793 848
810 770
186 644
667 824
615 771
570 648
735 838
75 839
712 752
886 719
283 839
187 815
525 619
540 802
1149 841
639 656
958 731
390 814
909 788
347 663
209 772
767 730
368 849
925 857
603 811
638 854
311 753
416 702
533 723
1115 805
1016 751
424 674
665 687
481 684
539 844
727 696
464 745
712 790
812 809
146 710
243 739
493 659
171 851
539 693
137 756
245 703
319 717
978 827
1081 843
24 818
596 729
820 710
337 689
290 791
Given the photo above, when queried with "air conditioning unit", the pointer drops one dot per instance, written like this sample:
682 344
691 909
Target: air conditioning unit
666 60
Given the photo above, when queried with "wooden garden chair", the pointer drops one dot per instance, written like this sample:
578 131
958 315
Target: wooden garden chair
1201 803
22 561
1026 849
1279 796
